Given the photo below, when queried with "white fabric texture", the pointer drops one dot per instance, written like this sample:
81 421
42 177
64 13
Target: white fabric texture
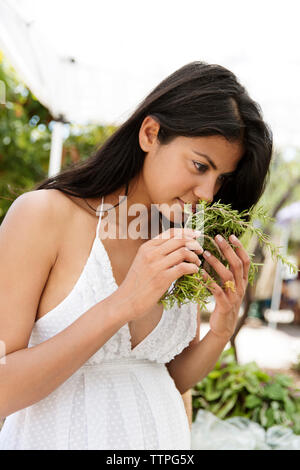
121 398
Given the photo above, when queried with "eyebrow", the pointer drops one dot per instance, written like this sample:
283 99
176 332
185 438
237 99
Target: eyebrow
211 162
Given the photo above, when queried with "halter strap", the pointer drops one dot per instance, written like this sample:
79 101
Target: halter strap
100 216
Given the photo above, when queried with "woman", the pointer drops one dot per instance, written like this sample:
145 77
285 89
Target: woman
92 359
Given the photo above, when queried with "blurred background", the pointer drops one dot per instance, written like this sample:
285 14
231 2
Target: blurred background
71 72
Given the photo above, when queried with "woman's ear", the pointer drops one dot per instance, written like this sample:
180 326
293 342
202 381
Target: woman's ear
148 133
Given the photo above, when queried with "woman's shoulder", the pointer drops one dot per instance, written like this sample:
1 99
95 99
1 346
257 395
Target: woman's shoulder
50 209
47 200
40 195
34 222
51 206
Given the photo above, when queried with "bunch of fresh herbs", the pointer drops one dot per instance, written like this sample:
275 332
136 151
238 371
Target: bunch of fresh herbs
212 219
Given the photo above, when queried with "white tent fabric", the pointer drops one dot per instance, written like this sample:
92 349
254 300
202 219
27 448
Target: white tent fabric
123 49
70 89
93 62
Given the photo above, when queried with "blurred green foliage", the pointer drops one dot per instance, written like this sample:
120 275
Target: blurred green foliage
25 139
246 390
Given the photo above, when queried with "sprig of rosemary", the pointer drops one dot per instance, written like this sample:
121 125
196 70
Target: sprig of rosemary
212 219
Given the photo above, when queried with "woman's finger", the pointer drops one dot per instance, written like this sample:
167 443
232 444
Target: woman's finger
225 274
174 233
216 290
174 243
242 253
235 262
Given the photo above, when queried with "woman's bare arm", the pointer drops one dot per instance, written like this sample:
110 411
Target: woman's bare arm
29 375
28 244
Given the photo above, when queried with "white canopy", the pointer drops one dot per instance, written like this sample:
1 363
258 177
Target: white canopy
123 49
69 88
93 62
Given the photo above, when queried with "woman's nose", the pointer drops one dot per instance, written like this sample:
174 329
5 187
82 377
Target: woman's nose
205 193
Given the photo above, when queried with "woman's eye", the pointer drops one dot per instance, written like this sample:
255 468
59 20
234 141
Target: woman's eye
201 168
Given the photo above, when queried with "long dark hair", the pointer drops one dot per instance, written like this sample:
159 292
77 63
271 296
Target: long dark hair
199 99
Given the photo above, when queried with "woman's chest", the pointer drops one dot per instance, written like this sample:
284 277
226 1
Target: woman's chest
69 266
121 256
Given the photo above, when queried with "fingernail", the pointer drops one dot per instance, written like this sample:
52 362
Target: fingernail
206 253
233 238
194 245
219 238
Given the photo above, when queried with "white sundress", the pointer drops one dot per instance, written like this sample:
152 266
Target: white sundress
121 398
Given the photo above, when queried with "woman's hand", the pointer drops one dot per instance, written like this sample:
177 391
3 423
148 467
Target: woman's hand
158 263
224 318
